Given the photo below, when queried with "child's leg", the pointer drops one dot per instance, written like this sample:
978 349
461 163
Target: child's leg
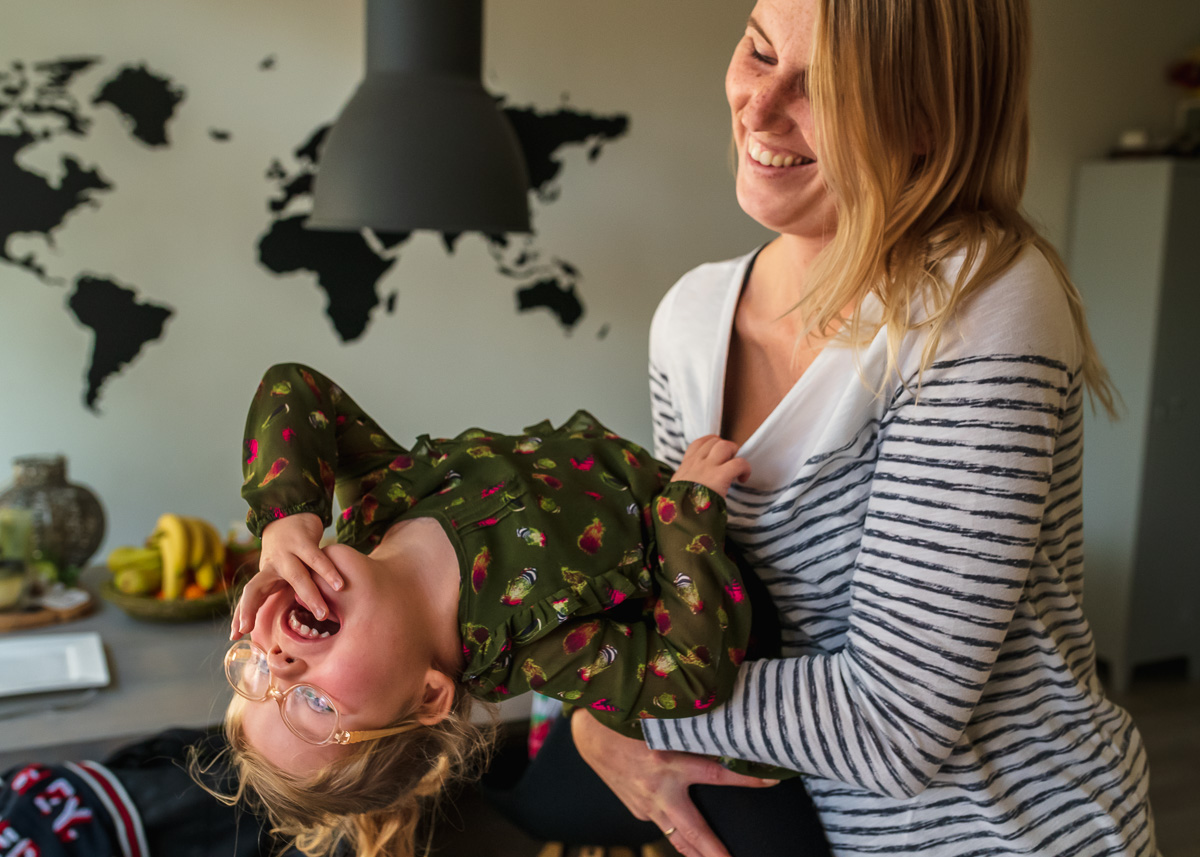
777 822
559 798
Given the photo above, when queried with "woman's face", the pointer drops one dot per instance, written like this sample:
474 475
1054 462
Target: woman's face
779 183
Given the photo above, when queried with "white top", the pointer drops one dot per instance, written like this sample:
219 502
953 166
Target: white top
938 676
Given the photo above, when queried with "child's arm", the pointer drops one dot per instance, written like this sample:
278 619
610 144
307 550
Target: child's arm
304 438
291 553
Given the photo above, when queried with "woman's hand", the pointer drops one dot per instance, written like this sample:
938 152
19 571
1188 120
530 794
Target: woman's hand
653 784
712 461
291 554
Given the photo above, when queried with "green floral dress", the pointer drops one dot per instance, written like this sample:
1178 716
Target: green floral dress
586 574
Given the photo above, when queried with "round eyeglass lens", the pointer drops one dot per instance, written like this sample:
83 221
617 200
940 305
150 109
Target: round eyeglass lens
247 670
310 713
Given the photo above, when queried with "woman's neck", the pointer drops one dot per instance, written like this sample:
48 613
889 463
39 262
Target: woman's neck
424 566
766 352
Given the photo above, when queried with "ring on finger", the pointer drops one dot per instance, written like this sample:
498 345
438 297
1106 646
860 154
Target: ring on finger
669 831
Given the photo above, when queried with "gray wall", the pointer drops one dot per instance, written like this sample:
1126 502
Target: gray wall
183 221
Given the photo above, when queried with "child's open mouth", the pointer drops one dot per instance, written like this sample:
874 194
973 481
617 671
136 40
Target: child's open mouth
302 622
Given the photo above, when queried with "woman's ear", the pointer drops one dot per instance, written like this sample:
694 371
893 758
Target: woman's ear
437 698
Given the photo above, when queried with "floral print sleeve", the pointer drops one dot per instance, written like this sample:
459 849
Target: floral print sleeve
676 656
304 440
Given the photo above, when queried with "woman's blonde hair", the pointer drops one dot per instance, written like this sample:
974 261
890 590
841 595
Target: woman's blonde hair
374 799
922 119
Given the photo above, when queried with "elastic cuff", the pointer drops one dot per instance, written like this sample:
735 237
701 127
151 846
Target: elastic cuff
256 522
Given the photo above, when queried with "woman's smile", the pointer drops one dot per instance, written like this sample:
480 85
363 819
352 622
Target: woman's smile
779 182
772 157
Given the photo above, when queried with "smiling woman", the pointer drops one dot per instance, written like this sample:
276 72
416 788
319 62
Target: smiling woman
904 368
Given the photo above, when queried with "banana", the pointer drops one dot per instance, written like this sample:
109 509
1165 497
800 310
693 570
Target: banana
209 571
136 570
206 576
170 536
128 557
197 543
138 581
215 544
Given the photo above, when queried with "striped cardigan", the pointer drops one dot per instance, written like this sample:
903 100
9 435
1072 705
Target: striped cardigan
924 548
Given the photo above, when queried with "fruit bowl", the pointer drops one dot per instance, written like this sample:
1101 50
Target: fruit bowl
151 609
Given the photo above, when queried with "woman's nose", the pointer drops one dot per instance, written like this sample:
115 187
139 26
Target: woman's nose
766 109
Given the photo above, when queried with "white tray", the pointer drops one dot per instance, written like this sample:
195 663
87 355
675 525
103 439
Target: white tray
47 662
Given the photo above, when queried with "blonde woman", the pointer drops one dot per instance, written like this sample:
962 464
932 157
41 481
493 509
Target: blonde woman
904 367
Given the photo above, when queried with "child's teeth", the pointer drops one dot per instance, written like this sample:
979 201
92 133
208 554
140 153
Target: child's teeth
302 629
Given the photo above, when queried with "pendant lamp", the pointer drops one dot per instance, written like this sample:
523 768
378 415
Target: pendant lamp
421 144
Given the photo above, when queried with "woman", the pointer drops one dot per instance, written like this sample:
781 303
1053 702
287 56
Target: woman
903 368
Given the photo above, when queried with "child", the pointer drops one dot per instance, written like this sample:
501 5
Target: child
563 560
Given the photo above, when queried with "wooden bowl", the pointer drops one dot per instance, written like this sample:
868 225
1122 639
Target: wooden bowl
151 609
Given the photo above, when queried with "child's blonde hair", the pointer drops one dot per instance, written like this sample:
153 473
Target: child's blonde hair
375 798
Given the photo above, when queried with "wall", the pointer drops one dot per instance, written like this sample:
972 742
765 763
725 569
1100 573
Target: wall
1099 69
181 225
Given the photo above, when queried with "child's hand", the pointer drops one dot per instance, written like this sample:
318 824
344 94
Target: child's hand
291 554
712 462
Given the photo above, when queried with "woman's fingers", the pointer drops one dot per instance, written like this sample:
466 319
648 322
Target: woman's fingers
706 771
692 836
689 833
653 785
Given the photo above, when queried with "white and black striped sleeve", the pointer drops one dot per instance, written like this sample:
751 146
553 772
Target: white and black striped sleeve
950 530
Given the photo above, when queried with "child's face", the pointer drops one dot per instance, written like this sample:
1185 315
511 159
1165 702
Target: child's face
373 665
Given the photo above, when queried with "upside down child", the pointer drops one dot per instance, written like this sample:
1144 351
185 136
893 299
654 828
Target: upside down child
563 560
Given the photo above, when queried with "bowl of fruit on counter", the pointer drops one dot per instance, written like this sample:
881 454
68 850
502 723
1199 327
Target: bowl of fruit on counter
185 571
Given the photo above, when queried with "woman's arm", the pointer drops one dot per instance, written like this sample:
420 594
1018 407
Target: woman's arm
962 477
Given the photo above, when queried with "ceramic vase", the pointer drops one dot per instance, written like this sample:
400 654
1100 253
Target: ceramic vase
67 519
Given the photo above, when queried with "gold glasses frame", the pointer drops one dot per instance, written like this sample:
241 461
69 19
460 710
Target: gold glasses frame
337 735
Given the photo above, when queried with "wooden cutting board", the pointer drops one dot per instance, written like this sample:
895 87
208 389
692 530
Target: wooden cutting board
63 607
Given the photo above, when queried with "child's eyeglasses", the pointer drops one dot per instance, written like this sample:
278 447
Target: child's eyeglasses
306 710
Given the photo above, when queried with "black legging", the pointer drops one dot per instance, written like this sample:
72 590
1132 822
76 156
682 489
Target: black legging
557 797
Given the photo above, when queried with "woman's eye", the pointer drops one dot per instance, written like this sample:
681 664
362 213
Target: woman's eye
759 56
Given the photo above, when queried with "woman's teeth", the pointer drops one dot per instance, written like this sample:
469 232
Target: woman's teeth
303 630
774 159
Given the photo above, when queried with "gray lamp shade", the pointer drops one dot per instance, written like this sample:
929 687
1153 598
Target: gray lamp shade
421 144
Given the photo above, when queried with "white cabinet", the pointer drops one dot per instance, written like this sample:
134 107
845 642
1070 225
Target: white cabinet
1135 256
